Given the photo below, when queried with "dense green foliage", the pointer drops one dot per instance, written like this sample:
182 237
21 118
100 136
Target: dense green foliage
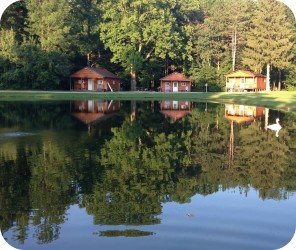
42 42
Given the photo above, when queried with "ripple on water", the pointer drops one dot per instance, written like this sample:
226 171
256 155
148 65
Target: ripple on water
15 134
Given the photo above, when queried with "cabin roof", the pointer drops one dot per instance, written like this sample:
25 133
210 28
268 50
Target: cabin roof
175 76
244 73
98 72
90 118
176 114
239 119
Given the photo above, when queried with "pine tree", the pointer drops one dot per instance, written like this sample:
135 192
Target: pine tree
268 42
222 32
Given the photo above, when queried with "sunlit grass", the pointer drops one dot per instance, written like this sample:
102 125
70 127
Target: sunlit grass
280 100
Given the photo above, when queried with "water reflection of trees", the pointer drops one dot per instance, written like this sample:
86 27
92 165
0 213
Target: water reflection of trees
126 168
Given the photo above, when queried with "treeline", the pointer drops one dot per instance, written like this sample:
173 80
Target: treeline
42 42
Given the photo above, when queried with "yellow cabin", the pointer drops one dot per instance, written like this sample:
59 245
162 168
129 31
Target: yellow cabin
243 80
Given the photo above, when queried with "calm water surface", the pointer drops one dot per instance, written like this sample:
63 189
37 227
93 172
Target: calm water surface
146 175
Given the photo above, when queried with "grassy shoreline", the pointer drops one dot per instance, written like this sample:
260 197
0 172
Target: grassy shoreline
278 100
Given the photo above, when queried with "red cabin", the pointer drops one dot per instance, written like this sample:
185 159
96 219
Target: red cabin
94 79
175 109
175 82
90 111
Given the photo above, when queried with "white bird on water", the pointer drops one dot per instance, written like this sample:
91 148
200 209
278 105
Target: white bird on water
275 127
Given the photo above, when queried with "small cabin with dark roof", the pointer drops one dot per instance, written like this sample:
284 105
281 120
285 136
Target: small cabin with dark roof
94 79
243 80
175 82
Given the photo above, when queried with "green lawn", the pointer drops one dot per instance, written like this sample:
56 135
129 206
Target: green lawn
279 100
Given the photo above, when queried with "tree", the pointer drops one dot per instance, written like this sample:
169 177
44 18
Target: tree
8 45
85 16
136 31
48 21
220 33
268 42
37 68
14 18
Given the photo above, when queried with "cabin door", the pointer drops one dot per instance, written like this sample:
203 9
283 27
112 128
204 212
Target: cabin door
175 86
243 83
100 105
175 104
90 106
100 85
90 84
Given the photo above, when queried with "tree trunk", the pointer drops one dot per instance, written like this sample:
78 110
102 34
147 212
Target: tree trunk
152 106
266 118
273 85
234 45
280 80
166 68
133 80
88 59
152 85
231 143
133 110
268 77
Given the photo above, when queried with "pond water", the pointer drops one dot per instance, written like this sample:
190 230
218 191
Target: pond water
146 175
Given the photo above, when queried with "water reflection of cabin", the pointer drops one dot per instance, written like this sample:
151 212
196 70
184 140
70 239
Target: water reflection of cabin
93 111
94 79
175 109
242 80
242 113
175 82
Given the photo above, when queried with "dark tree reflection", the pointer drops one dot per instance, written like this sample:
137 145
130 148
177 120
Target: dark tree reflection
124 170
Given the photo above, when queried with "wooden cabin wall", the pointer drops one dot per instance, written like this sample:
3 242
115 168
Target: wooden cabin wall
180 87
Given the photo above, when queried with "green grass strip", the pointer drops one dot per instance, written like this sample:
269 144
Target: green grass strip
276 99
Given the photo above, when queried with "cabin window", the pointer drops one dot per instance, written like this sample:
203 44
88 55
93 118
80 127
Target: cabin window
167 86
183 106
167 104
242 80
79 81
183 84
175 84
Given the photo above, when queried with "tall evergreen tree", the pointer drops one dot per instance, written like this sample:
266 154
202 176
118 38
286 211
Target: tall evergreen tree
221 34
268 42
